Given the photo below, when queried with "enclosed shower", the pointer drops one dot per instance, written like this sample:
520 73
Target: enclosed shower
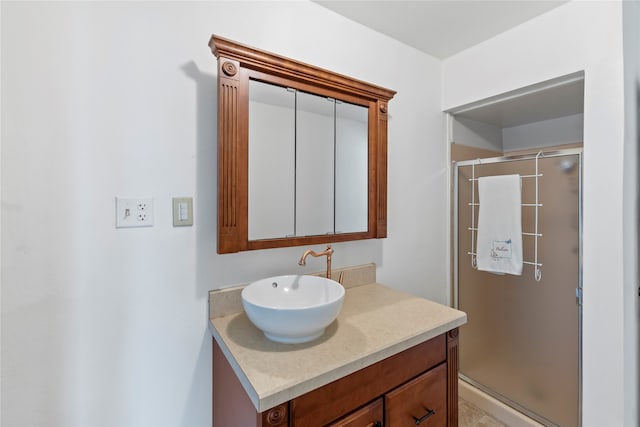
522 343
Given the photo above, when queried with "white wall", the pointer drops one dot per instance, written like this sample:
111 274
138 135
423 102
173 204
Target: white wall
473 133
546 133
576 36
631 23
108 327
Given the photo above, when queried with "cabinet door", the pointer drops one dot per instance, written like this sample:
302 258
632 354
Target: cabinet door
421 401
368 416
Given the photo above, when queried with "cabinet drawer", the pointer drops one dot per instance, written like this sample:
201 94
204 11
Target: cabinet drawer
422 401
369 416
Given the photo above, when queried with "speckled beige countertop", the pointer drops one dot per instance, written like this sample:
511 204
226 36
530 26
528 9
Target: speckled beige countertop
375 322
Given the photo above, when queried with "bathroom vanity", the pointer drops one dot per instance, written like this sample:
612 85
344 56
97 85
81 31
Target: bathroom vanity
390 359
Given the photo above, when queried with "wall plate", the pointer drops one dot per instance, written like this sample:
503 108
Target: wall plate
132 212
182 211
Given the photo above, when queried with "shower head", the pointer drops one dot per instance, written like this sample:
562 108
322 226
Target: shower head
566 165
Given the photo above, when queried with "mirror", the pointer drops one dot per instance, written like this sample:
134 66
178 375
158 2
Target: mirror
351 167
308 164
301 152
271 161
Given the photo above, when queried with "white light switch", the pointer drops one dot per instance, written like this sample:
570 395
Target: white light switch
182 211
134 212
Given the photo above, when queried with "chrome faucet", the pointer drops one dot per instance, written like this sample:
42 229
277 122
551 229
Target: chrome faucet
327 252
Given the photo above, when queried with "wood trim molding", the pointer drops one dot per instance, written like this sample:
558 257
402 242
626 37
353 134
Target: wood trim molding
232 158
381 167
277 416
272 63
452 377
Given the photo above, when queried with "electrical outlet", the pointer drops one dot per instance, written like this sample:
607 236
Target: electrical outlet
134 212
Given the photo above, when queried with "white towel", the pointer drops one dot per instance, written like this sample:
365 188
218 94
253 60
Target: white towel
499 244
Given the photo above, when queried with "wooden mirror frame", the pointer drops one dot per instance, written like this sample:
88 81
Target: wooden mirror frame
236 62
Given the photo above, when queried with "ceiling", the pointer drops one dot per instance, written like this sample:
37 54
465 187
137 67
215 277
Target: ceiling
440 28
444 28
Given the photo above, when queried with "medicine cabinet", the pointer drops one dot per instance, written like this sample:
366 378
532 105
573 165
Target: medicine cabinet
302 152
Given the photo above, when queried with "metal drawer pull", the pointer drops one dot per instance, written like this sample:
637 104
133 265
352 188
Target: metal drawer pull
425 416
377 424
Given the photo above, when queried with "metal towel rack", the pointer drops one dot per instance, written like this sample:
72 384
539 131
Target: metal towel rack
537 205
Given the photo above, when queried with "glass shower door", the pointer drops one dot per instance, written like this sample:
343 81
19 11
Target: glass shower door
522 340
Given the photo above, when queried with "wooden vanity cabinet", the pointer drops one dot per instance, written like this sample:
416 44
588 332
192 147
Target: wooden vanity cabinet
418 386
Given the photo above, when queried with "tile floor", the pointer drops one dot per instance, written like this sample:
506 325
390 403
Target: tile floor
469 415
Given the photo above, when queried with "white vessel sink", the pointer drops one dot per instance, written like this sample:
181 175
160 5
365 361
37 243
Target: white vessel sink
293 309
